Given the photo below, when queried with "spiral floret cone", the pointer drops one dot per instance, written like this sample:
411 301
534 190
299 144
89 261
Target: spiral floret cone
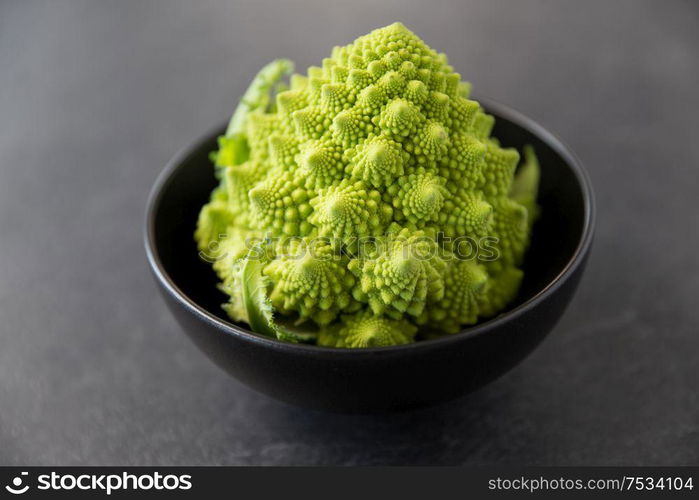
380 144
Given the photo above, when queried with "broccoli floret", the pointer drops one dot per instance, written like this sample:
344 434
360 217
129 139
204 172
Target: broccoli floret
346 197
365 329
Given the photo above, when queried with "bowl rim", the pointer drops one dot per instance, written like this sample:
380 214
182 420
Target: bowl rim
494 107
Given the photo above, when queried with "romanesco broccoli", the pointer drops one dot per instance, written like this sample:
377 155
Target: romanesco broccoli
346 198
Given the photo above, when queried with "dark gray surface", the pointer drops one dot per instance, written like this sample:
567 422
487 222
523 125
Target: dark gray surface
94 99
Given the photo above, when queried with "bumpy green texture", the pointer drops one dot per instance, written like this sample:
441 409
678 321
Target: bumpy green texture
366 204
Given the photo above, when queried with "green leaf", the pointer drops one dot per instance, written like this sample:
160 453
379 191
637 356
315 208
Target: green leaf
525 186
257 96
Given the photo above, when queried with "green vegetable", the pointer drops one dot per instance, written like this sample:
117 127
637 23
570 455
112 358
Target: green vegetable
347 200
259 310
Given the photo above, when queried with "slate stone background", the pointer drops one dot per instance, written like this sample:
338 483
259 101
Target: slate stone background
94 99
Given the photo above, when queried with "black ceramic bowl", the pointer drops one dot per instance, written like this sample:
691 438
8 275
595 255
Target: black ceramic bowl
388 378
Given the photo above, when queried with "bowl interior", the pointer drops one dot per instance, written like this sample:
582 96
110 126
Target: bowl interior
189 180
